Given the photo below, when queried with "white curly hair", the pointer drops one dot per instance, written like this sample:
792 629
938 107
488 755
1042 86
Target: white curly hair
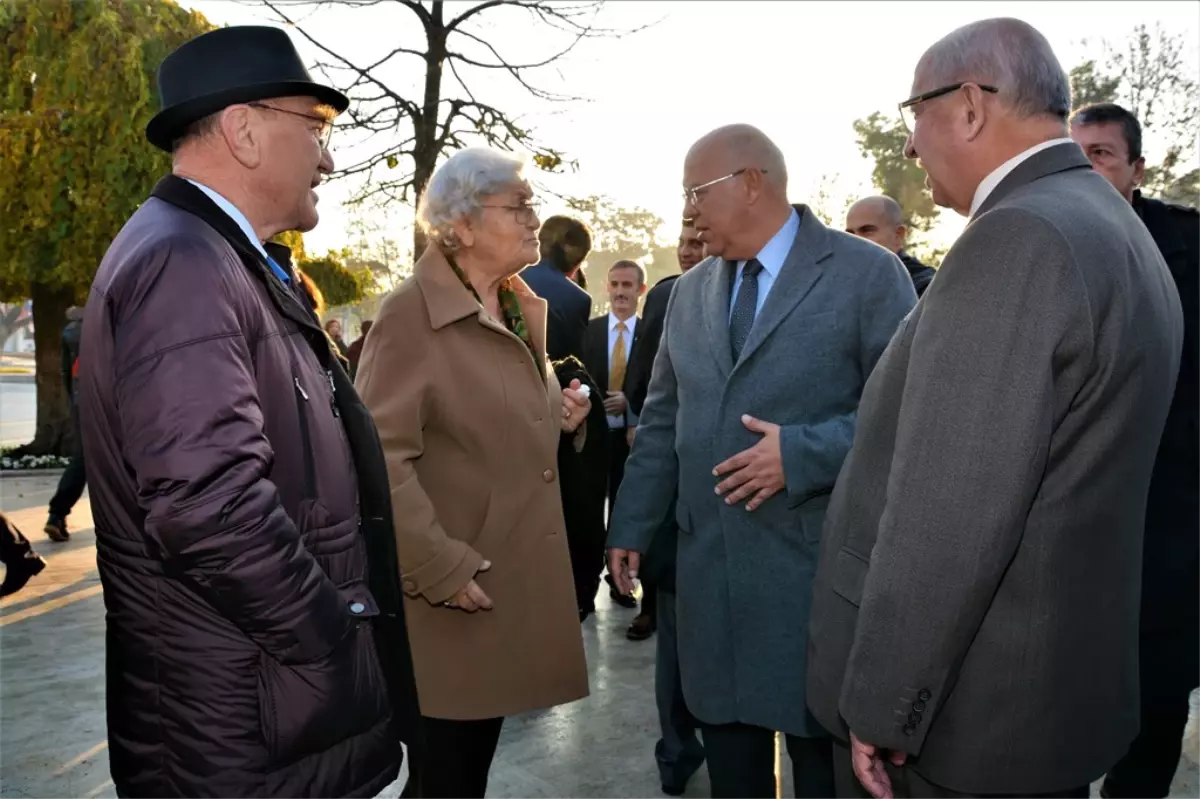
458 186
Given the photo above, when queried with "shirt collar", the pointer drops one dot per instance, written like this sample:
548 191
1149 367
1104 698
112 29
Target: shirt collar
233 213
989 184
775 252
613 321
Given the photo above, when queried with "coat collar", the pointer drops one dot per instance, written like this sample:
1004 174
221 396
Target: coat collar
1052 160
448 301
180 193
799 274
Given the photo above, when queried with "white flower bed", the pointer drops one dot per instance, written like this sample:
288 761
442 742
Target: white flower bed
33 462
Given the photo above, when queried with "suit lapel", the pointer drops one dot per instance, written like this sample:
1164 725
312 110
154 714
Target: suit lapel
715 302
800 272
595 351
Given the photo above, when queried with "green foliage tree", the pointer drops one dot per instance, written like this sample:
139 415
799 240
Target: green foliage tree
881 138
1149 75
340 282
76 92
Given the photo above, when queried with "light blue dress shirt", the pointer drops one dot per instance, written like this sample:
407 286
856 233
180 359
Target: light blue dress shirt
772 257
242 222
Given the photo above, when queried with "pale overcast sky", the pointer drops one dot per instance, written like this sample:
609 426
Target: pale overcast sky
801 71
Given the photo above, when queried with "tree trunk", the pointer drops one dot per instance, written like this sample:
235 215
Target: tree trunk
53 435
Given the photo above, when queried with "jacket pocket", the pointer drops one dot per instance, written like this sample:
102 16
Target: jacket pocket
849 575
306 445
307 709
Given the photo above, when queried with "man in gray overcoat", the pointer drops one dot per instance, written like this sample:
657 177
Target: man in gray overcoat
751 409
975 612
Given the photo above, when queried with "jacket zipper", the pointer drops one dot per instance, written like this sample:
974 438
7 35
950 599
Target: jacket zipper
310 468
332 394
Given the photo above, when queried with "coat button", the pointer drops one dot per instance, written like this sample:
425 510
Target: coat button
924 695
357 608
548 475
919 706
909 729
914 718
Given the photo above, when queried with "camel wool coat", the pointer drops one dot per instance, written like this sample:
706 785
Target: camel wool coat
470 425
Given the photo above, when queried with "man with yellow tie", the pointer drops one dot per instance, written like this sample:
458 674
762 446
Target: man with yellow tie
607 347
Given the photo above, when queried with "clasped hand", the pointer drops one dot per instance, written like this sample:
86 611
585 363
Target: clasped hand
471 597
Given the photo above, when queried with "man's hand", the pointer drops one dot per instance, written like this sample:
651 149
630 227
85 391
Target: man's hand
756 472
615 403
870 768
630 434
471 597
623 566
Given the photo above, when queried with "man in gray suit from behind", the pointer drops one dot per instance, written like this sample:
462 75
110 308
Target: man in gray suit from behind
750 411
975 613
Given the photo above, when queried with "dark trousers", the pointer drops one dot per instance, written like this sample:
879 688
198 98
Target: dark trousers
741 762
13 545
453 760
1168 672
906 782
678 752
618 453
73 480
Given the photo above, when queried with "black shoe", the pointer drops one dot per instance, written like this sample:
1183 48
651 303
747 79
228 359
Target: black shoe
19 572
673 790
56 528
642 628
617 596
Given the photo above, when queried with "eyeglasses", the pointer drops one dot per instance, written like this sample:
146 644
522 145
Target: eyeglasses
693 194
323 133
526 214
907 114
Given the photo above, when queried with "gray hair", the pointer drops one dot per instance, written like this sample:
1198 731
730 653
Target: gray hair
1010 55
456 188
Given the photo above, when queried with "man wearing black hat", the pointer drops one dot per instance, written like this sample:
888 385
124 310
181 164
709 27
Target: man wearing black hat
256 638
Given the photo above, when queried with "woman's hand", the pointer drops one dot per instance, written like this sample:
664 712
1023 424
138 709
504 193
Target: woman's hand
575 407
471 597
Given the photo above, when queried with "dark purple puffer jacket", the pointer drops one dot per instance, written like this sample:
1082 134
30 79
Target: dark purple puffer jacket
251 650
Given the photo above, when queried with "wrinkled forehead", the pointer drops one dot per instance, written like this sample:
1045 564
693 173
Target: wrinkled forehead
516 191
707 160
1109 134
866 214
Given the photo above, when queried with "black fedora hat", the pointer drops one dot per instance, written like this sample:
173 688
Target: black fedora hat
239 64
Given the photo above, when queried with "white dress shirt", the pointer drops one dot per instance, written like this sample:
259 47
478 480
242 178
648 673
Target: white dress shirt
619 422
233 213
772 257
989 184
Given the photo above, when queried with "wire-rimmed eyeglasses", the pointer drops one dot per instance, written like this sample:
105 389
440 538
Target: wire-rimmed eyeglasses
526 213
692 195
323 133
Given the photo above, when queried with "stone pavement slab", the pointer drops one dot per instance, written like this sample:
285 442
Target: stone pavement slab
52 711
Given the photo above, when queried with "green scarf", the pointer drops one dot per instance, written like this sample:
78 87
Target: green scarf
514 320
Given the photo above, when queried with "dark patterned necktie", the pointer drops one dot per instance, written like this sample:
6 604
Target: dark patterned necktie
744 307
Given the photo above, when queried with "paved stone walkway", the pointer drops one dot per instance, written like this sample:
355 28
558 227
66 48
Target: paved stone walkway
52 728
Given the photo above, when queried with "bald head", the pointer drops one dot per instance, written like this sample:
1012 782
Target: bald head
1008 54
742 147
879 219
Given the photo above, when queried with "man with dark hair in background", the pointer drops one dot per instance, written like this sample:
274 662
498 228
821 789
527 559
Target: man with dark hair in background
73 479
1169 639
355 351
881 220
679 752
564 243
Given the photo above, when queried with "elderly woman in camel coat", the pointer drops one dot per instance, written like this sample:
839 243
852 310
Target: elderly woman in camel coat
470 414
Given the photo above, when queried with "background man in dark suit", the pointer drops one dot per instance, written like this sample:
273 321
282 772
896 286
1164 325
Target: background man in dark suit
1170 621
976 601
678 752
611 340
564 244
881 219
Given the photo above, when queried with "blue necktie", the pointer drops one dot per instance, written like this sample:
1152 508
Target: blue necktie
278 270
745 306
